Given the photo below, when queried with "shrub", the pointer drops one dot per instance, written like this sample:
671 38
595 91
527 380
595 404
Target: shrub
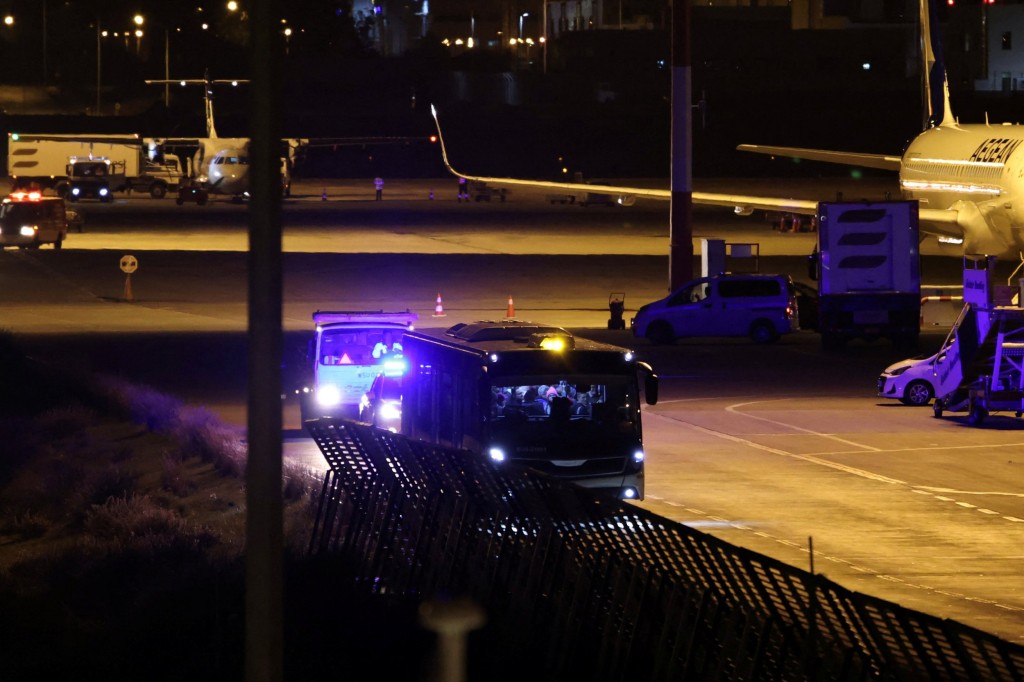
173 477
139 523
66 420
201 434
109 482
26 525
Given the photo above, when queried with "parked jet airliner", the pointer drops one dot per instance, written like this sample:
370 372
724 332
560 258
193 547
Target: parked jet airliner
968 178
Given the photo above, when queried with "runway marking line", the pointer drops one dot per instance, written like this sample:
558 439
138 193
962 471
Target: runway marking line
838 560
820 461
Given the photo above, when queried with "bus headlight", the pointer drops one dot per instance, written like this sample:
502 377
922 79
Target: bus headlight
496 454
328 396
104 191
391 411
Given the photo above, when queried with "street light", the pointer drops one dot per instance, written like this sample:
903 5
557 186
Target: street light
521 17
139 20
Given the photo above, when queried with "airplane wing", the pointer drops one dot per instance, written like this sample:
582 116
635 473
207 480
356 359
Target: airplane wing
943 223
880 161
741 204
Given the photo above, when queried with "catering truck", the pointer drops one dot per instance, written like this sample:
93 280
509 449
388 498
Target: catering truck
868 270
348 351
530 394
95 165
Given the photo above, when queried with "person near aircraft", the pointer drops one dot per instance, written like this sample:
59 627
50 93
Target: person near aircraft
378 184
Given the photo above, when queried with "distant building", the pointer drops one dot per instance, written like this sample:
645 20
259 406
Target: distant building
999 48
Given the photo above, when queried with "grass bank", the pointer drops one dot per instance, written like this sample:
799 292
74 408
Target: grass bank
122 526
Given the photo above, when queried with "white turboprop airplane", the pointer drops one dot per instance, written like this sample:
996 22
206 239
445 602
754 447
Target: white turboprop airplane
221 164
968 178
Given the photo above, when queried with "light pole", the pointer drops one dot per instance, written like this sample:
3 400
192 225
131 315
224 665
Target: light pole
45 75
139 20
521 17
544 34
99 64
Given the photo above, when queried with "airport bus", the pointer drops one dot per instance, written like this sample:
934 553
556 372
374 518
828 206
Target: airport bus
347 353
534 395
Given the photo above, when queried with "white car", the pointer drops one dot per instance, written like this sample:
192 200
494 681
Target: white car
911 381
915 381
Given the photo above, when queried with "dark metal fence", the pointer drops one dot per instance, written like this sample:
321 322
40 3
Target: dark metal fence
581 586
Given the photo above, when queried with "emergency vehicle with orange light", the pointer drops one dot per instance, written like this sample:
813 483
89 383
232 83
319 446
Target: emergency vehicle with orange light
29 220
520 393
348 351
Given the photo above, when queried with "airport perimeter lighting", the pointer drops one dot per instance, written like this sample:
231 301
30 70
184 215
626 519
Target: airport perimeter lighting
8 20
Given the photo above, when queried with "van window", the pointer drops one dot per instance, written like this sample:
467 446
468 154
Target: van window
692 294
743 288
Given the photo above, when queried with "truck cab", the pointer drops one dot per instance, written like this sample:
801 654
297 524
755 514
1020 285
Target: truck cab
89 178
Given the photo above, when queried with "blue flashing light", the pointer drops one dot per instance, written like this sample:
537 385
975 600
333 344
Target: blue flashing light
496 454
494 357
628 356
629 493
76 191
395 367
638 456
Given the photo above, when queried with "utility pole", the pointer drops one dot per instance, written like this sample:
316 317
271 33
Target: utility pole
680 258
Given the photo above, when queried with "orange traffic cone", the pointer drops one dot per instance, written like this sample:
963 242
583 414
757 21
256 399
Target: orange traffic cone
511 312
439 309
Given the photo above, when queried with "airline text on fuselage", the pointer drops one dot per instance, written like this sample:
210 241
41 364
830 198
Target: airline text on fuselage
995 150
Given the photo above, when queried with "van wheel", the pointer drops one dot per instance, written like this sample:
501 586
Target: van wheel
918 393
660 332
763 332
976 415
57 245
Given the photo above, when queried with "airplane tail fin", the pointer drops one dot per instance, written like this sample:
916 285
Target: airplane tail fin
935 88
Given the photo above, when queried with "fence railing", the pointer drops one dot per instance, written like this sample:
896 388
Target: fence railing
576 584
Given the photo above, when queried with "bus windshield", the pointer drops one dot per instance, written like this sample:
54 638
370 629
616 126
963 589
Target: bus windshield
359 346
608 402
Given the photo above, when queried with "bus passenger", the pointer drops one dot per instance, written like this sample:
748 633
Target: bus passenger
386 346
